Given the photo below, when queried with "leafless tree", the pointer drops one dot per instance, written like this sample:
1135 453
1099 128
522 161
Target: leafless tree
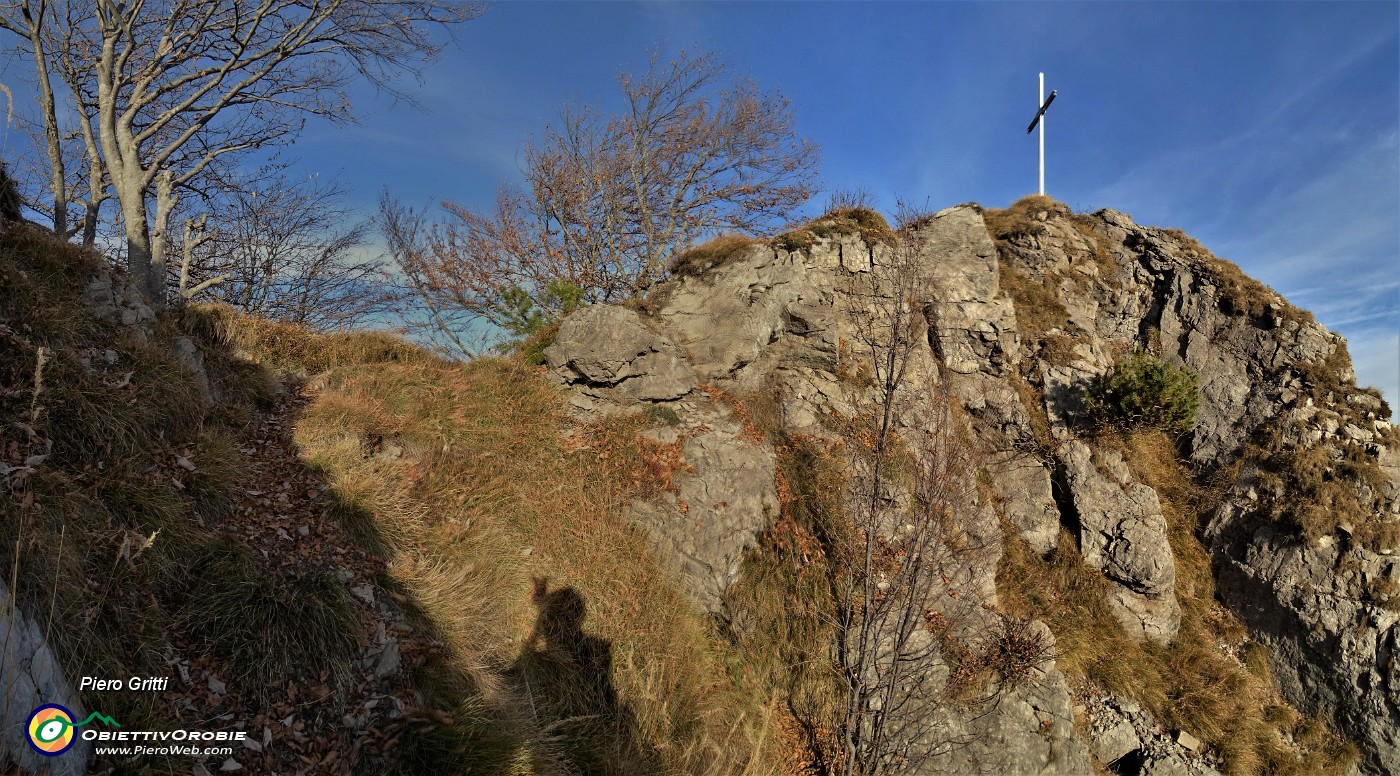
9 197
608 201
174 86
912 640
32 21
289 251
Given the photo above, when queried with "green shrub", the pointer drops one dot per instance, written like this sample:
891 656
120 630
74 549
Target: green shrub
1143 391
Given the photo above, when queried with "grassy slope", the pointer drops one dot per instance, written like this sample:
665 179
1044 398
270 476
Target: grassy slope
501 521
548 639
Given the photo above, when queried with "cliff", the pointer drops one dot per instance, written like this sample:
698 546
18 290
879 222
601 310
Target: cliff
1251 556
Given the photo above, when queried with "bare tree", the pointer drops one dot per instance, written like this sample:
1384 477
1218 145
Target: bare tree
9 197
912 640
30 20
289 251
609 201
173 86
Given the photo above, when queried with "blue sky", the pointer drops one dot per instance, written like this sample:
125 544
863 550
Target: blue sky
1269 131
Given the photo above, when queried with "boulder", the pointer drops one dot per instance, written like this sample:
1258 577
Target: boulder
609 347
32 677
1123 534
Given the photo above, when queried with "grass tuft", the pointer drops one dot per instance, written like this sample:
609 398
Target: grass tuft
272 626
708 256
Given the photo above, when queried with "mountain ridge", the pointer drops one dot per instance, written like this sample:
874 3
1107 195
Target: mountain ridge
623 558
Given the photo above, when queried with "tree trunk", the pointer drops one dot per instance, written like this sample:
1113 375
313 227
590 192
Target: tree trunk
138 249
58 180
160 233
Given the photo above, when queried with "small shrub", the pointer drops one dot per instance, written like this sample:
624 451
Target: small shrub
531 349
661 414
1143 391
522 313
1015 651
849 199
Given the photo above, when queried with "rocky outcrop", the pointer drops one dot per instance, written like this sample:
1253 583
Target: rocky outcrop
1029 502
611 349
31 677
1333 636
1127 739
113 298
973 326
1123 534
725 499
996 743
1015 328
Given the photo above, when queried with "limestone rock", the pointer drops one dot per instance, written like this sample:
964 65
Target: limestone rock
1123 534
973 327
783 323
604 346
1115 742
1025 485
1029 731
31 676
192 359
726 499
113 298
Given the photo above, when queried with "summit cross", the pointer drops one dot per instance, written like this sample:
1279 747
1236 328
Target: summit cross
1040 119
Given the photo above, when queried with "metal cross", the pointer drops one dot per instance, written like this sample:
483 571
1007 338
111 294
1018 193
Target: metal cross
1040 119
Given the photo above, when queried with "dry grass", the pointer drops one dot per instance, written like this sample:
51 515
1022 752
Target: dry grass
286 347
1023 217
486 498
707 256
1038 308
1192 684
783 604
868 224
1096 244
105 529
1315 490
483 477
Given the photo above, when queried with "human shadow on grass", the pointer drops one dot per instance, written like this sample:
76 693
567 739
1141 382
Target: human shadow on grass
567 675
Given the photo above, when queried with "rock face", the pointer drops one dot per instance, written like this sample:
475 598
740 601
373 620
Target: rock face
997 743
32 678
1013 329
1123 534
725 499
115 299
973 325
607 347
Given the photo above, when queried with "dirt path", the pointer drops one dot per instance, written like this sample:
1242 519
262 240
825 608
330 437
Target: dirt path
281 510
